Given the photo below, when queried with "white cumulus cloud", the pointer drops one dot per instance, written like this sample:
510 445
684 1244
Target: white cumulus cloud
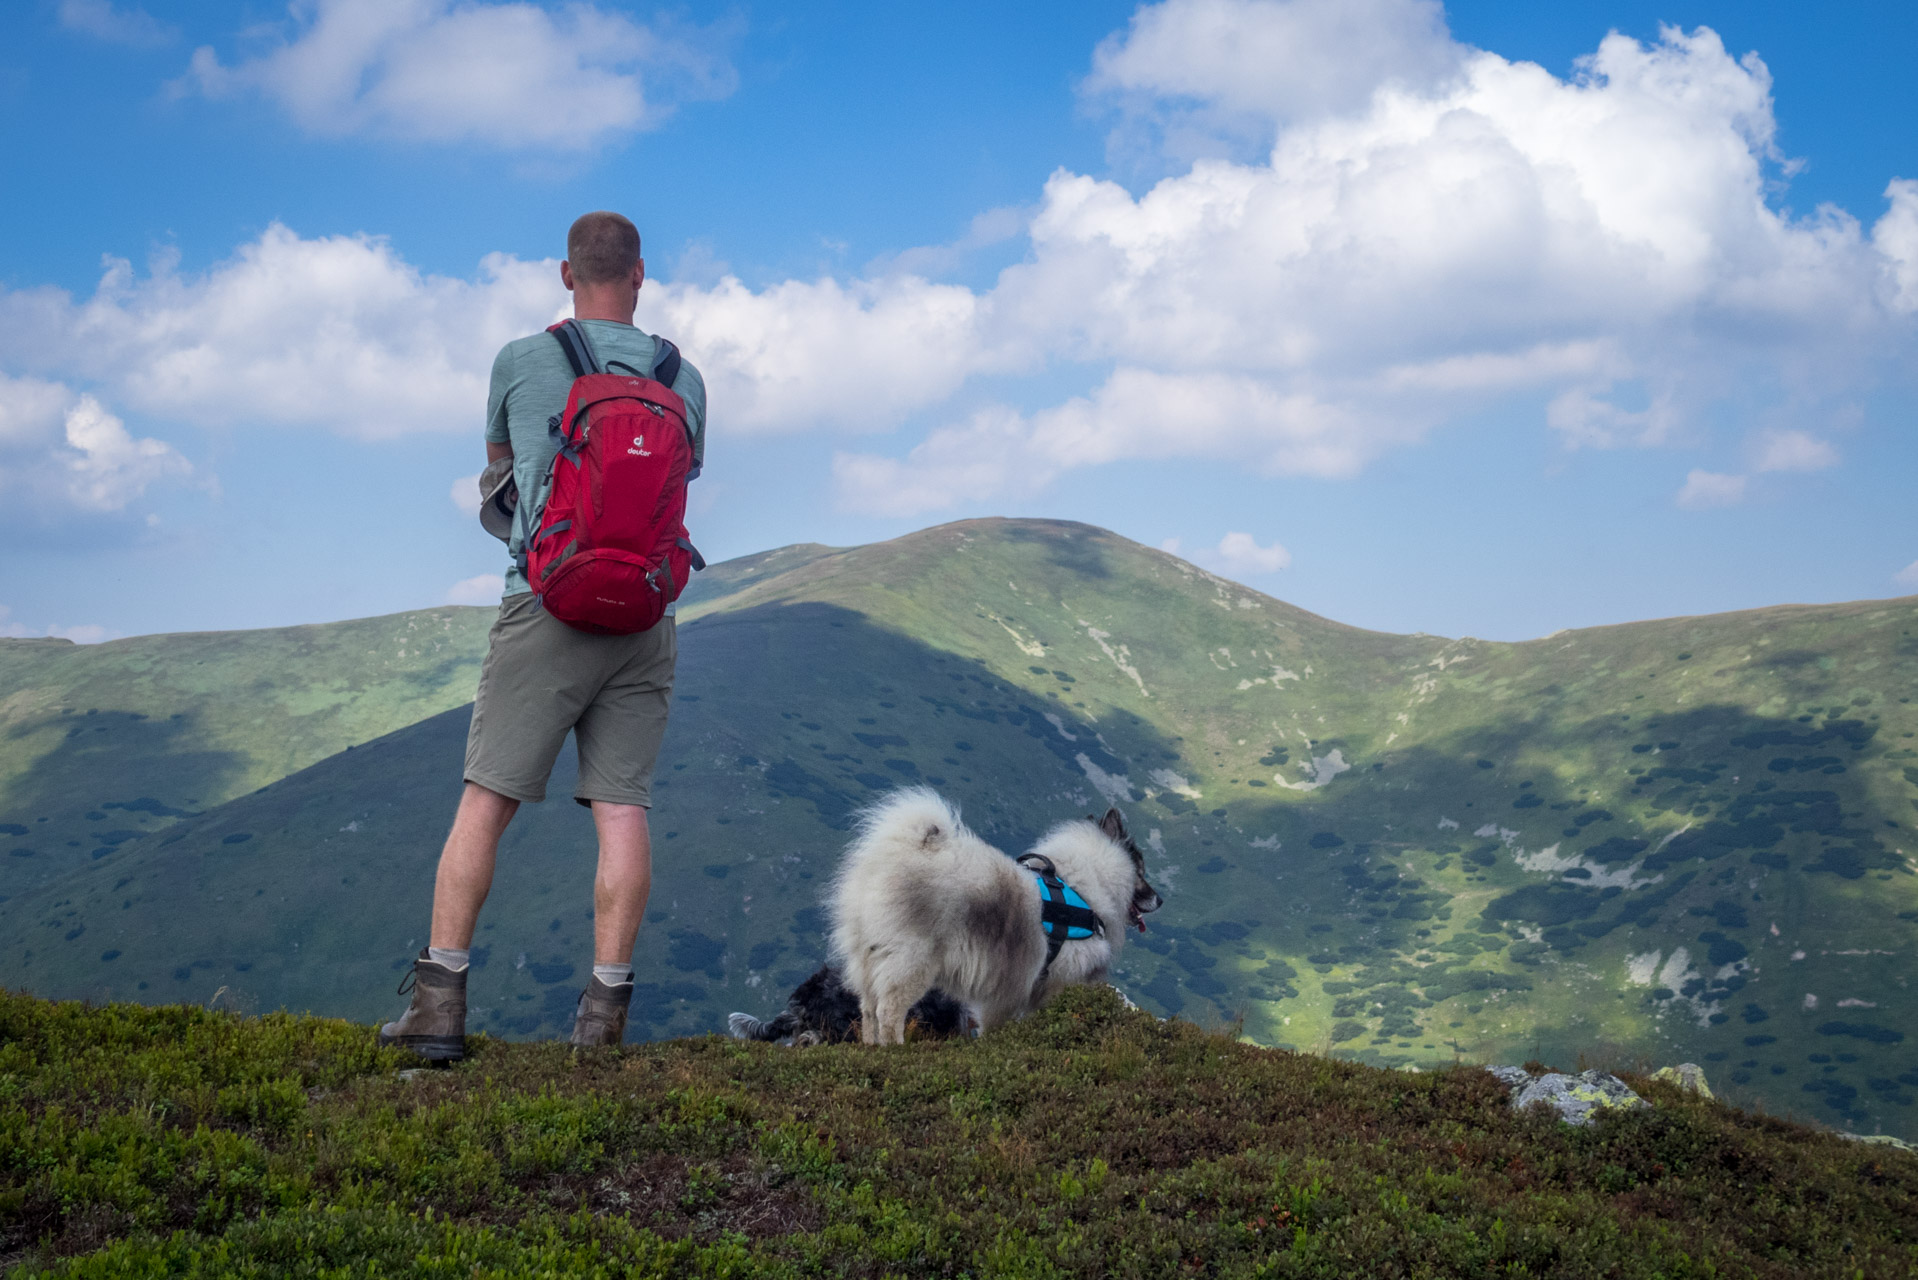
1704 489
1793 451
1407 256
856 356
60 449
1431 231
30 410
106 466
1243 66
1896 237
480 589
508 75
465 494
336 332
1241 555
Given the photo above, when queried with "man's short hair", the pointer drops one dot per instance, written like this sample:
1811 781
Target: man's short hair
602 247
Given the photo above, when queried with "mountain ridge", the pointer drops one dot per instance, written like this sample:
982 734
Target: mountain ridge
1401 849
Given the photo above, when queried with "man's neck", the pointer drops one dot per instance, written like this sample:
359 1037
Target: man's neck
616 305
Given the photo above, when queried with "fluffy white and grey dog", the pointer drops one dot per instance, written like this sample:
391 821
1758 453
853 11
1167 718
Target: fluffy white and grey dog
922 902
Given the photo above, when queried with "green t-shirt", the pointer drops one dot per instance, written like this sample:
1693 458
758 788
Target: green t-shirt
531 379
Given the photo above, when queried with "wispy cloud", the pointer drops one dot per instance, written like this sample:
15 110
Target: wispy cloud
84 633
1705 489
117 24
1907 576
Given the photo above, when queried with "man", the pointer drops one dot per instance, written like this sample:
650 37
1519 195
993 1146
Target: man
542 678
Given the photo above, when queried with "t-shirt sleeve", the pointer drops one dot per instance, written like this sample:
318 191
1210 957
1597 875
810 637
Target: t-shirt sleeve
692 389
496 432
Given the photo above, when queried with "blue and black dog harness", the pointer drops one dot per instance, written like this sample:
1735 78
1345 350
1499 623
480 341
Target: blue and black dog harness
1063 914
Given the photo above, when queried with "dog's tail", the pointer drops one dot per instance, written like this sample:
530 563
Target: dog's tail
743 1026
917 816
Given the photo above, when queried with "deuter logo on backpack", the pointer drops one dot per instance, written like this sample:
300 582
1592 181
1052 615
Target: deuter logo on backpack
611 550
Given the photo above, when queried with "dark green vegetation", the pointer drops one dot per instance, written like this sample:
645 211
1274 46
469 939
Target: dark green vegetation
1085 1141
1667 841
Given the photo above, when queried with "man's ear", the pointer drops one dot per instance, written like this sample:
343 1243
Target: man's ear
639 274
566 275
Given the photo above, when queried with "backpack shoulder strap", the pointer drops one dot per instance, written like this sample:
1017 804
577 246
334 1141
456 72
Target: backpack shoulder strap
665 362
579 352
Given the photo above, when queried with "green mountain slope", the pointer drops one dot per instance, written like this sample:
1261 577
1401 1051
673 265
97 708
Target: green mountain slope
101 744
1668 840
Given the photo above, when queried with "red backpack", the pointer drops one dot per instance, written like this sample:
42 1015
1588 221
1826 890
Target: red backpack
611 551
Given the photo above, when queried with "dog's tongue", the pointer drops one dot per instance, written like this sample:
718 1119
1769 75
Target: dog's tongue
1138 918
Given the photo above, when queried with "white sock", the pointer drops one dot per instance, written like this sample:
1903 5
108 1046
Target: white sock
613 975
454 958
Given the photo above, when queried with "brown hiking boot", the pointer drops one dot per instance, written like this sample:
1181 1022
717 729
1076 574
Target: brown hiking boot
435 1025
601 1019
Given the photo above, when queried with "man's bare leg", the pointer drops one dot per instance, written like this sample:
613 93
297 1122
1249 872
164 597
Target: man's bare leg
466 864
624 880
434 1025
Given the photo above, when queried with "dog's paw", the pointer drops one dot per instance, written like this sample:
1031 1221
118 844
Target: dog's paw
743 1026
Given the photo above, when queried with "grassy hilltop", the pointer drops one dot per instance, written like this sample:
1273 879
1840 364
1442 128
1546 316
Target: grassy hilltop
1678 840
1086 1141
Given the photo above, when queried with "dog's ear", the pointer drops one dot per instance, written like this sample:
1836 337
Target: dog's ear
1113 825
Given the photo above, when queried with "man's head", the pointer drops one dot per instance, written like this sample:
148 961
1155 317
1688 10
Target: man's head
602 248
603 267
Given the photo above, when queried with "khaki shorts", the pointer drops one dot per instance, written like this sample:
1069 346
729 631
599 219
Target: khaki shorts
542 678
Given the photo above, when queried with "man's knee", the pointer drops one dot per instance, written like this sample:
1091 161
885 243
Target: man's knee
620 816
484 805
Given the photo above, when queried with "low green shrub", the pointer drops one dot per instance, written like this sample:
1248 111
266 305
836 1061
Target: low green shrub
1088 1140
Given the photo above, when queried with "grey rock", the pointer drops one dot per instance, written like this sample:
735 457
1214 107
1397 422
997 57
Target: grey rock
1686 1075
1577 1099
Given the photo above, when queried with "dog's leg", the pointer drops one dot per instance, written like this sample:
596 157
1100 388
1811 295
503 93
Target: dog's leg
869 1024
889 1016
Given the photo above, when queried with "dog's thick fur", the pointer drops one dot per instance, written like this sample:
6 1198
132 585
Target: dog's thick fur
922 902
824 1010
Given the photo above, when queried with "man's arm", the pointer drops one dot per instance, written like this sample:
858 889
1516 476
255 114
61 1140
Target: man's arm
499 442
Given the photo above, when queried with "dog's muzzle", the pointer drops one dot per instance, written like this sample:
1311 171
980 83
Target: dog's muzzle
1136 910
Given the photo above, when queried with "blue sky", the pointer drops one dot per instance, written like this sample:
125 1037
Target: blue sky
1489 319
